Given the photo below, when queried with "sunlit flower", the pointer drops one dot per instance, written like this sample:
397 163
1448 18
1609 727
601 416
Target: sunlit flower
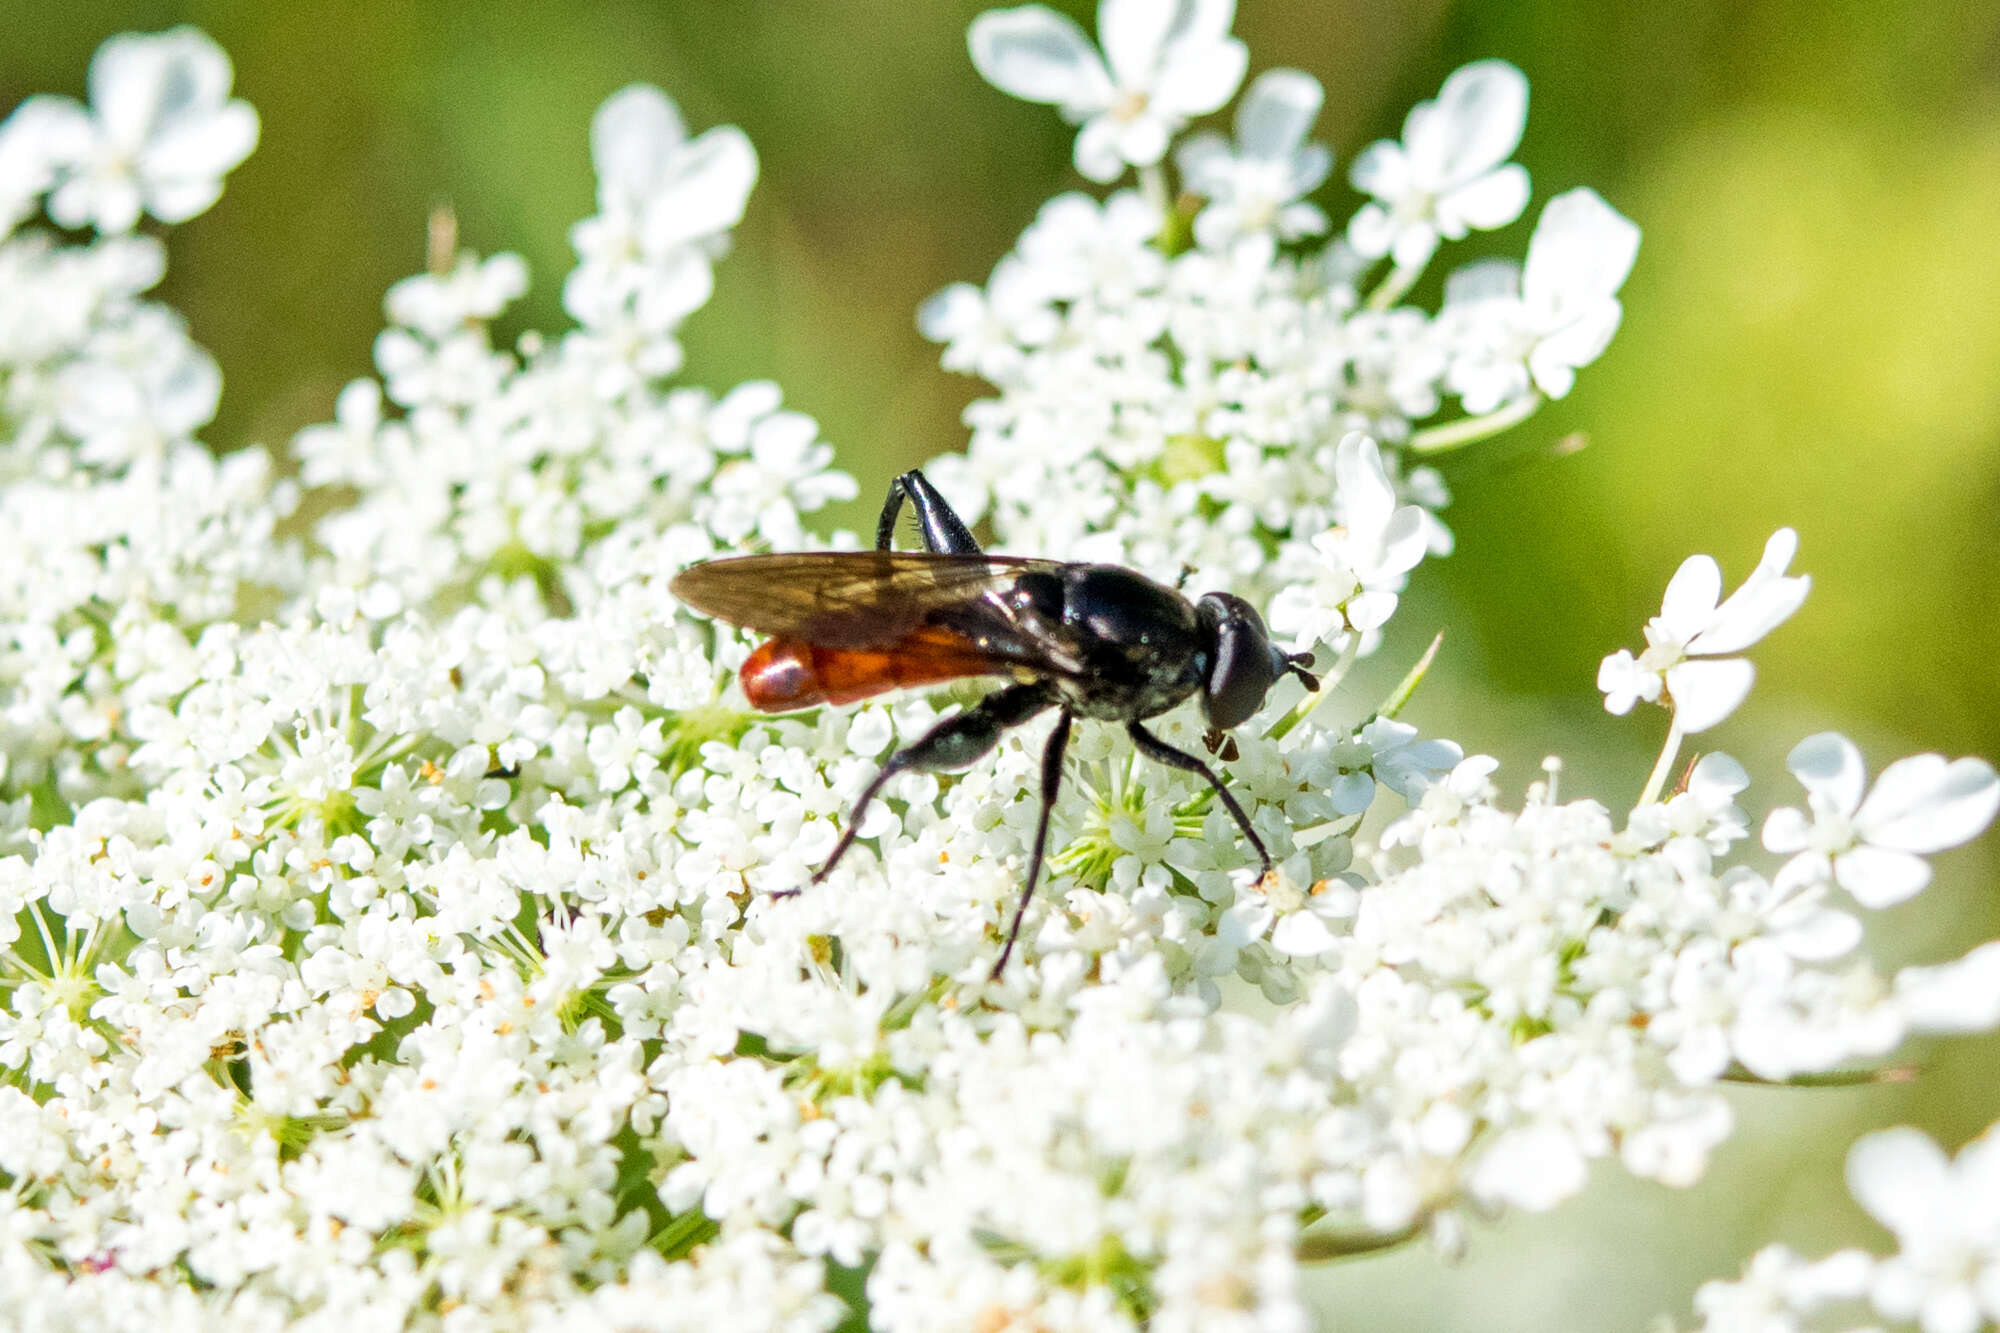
1449 174
390 916
1536 327
1259 183
1946 1218
1686 664
160 133
1162 64
1874 846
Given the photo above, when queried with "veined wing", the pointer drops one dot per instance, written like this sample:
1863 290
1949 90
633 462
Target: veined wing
861 600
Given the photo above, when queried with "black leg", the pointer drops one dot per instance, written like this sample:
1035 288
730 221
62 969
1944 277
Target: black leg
1052 760
952 743
944 532
1160 752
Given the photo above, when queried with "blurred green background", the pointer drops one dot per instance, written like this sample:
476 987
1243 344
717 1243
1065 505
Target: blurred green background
1812 337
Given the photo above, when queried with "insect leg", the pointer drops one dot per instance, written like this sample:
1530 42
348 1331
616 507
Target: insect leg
1160 752
944 532
953 743
1052 758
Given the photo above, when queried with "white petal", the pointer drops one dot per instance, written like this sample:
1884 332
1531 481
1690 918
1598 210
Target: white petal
1802 871
1787 829
1582 249
1707 691
1351 793
1691 595
1472 127
141 83
1310 167
1923 804
1206 162
1135 34
1277 113
1583 335
1820 936
1555 358
1415 244
1487 280
1370 610
1371 231
1765 601
1879 878
1484 202
1198 79
1717 779
704 192
1381 169
209 146
1142 140
1038 55
631 137
177 201
1301 934
1900 1177
1960 996
1362 483
951 312
1624 683
1097 155
1533 1167
1828 765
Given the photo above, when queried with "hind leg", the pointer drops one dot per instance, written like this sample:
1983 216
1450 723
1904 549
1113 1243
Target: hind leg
953 743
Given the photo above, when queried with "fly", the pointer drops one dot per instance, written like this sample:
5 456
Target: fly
1087 640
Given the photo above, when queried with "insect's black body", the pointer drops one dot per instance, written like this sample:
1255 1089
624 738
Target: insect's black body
1114 644
1096 641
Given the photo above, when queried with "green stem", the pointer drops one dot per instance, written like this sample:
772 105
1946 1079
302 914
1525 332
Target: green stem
1153 184
1470 430
1668 753
1319 1247
1829 1078
1413 678
1400 280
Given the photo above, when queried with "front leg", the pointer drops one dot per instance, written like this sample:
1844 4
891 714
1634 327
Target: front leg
953 743
944 532
1160 752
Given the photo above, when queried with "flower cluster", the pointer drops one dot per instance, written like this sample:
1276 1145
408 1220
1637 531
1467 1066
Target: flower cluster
387 926
1241 405
1944 1277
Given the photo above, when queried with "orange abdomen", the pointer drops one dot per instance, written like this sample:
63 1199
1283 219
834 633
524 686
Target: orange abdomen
787 674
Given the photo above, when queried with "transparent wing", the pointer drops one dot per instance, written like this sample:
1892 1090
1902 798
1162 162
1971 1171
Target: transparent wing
860 600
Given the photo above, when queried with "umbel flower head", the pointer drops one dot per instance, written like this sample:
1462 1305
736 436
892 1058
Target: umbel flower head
389 933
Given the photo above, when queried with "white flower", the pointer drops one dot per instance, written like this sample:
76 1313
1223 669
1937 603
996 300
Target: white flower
1874 847
475 290
1164 62
1539 326
1946 1218
1960 996
160 134
665 205
1259 184
43 133
1534 1167
1450 173
1695 627
1361 565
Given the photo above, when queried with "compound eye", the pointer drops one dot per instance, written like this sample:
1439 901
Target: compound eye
1242 671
